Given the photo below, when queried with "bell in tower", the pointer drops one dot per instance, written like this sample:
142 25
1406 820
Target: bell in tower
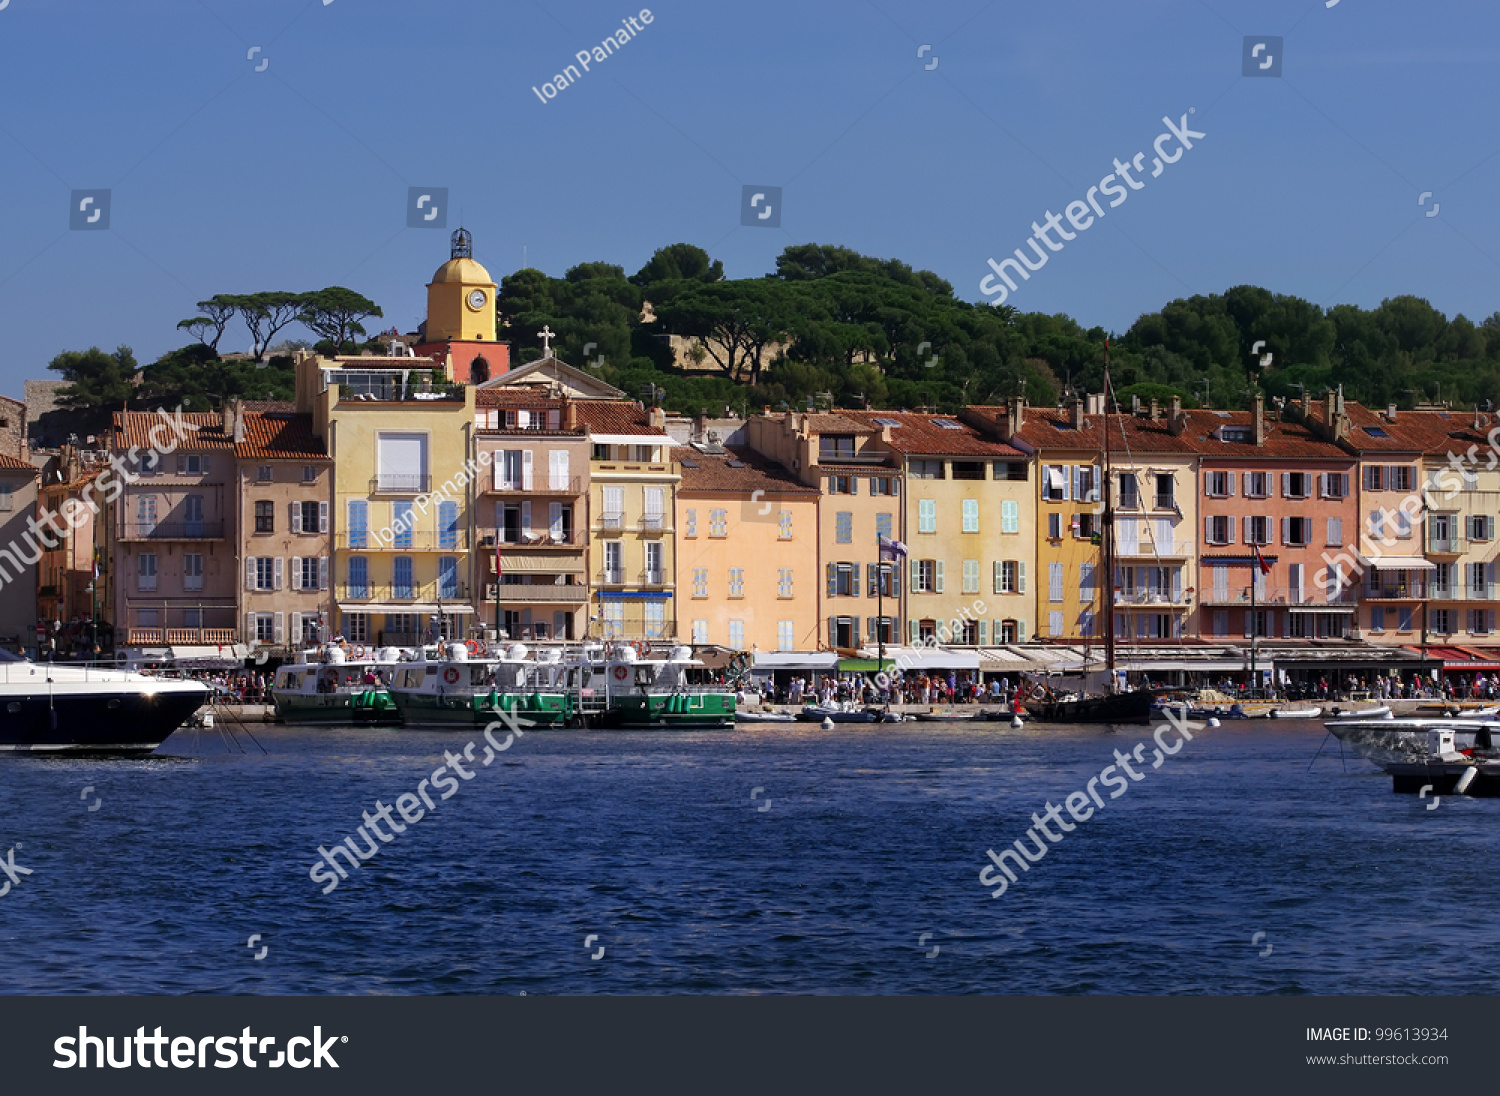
461 297
462 245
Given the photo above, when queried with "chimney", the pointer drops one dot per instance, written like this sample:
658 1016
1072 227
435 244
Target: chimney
570 416
1390 412
1015 418
1155 410
1258 419
1328 411
700 427
1177 419
1135 405
1075 407
657 417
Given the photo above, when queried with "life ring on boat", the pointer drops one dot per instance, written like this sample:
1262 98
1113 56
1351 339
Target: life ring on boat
450 675
621 673
359 652
639 647
474 646
1039 692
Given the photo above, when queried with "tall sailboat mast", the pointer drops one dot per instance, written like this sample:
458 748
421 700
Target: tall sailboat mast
1107 539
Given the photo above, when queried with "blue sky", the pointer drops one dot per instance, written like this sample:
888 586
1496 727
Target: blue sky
225 179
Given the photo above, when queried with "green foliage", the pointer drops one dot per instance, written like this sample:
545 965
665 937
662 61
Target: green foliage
335 313
99 383
199 380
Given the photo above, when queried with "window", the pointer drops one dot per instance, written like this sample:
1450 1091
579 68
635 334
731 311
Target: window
885 580
1012 470
843 579
1010 516
304 517
968 470
690 517
843 527
192 571
265 517
1085 525
601 452
1480 527
359 523
971 576
784 582
1256 486
736 582
1130 492
1055 483
1296 485
309 473
1054 526
700 581
264 630
1481 621
1086 489
843 485
1335 534
1216 484
1055 579
843 632
150 464
655 503
835 447
1439 622
1054 624
718 523
401 462
264 473
655 575
784 525
614 562
1086 622
1008 632
1296 531
700 632
357 627
263 571
736 635
654 619
401 524
786 635
924 576
927 516
1219 529
1334 485
970 515
145 571
1258 530
304 572
883 526
925 469
1479 586
359 577
448 578
1166 487
1401 477
885 485
401 578
1005 576
145 514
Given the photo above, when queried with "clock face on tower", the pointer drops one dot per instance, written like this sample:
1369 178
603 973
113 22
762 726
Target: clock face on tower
477 299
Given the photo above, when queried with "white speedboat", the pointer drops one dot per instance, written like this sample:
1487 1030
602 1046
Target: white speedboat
1389 741
57 708
1382 712
1295 713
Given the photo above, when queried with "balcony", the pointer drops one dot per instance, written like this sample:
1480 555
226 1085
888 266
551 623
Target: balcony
608 577
405 542
1146 550
512 593
1151 597
573 540
1282 595
400 483
1410 590
1166 502
543 486
181 637
392 388
653 578
612 522
173 530
1457 591
410 591
1446 546
653 523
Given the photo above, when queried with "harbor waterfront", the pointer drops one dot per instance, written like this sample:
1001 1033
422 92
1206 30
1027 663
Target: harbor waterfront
774 859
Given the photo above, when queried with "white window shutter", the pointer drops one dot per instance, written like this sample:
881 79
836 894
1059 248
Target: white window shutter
1286 530
916 573
322 517
322 572
1021 577
297 629
526 518
296 516
277 573
526 470
995 569
1208 483
937 581
1286 485
1231 477
498 470
1248 532
249 627
1073 478
914 630
279 628
1208 530
296 572
1020 631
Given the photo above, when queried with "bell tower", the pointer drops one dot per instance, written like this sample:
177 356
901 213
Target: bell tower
461 297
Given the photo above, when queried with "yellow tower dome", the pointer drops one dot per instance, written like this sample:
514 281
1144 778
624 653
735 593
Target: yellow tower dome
461 296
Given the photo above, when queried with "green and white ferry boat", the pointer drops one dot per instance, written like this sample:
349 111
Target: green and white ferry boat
327 686
629 689
448 685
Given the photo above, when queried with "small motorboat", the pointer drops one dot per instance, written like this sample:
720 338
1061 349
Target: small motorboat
1489 712
1389 740
1382 712
764 717
949 717
1294 713
837 713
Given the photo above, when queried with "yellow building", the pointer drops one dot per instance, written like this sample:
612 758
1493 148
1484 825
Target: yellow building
402 440
747 551
632 505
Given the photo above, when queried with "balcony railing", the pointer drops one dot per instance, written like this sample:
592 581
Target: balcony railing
410 591
1282 595
568 593
390 390
1397 591
543 539
400 483
1151 597
612 521
653 578
1458 591
610 577
173 530
413 541
181 637
1166 502
653 523
541 485
1144 549
1446 546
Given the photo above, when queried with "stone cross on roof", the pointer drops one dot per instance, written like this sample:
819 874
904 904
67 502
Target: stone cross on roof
546 334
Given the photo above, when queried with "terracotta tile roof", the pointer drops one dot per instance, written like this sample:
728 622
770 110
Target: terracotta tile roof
836 423
286 435
520 396
1283 439
713 473
1434 433
854 469
133 429
1047 428
921 435
9 463
615 417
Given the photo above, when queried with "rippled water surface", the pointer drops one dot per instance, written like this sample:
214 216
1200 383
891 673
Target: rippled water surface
653 843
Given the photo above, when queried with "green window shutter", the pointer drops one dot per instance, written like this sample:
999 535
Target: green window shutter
1021 577
937 579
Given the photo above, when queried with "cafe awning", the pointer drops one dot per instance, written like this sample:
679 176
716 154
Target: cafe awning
767 661
553 563
1402 563
864 665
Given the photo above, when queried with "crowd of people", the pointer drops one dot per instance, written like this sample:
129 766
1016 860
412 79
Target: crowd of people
911 687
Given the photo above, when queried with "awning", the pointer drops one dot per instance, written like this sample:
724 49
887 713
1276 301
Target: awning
864 665
404 607
933 658
794 660
1313 607
514 559
631 439
1214 665
1466 658
1402 563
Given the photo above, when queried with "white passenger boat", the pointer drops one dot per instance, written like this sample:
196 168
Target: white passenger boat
1387 741
325 685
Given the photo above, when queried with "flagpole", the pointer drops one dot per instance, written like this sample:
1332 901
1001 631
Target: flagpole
1254 624
880 613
